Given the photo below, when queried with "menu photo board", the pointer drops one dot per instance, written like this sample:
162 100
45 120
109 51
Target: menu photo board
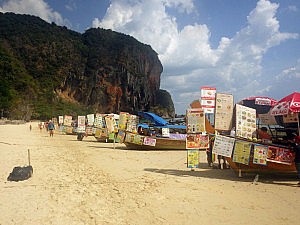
193 158
241 153
165 132
121 136
99 120
223 145
123 120
132 122
195 120
280 155
67 120
81 124
245 121
197 141
224 111
110 124
208 99
90 119
260 154
149 141
60 119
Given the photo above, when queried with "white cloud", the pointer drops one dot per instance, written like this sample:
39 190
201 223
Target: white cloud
292 8
189 60
71 5
291 73
33 7
181 5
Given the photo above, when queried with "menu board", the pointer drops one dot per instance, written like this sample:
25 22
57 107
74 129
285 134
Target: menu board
98 133
197 141
138 139
208 99
129 137
121 136
245 121
123 120
132 122
223 145
67 120
195 121
192 158
241 153
280 155
99 121
260 153
60 119
90 119
165 132
290 118
110 124
224 112
81 124
149 141
267 119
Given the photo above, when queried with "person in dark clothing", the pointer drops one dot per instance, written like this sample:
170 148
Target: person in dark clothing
297 155
51 127
209 152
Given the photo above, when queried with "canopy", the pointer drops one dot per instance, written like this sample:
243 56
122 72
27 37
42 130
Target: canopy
288 109
288 104
262 104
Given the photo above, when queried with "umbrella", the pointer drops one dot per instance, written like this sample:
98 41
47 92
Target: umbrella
262 104
288 105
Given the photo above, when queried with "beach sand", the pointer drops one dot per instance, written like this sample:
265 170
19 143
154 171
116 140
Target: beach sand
88 182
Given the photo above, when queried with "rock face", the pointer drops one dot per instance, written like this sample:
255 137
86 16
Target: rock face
65 72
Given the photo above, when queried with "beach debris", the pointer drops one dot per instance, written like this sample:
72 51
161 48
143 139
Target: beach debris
21 173
256 179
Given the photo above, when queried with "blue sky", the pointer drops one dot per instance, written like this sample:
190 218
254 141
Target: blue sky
242 47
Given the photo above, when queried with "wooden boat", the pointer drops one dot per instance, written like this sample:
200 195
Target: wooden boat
271 167
161 144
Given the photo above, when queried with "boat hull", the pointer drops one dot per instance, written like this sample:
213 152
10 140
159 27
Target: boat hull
161 144
271 167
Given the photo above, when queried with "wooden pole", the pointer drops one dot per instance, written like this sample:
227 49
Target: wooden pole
29 157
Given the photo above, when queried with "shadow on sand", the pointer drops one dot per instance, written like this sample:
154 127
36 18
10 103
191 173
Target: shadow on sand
286 179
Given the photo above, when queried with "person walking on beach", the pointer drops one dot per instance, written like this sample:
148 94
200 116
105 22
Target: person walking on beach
51 128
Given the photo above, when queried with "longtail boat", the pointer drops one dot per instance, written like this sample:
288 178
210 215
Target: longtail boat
161 144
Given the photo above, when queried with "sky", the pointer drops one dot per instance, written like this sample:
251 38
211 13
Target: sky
240 47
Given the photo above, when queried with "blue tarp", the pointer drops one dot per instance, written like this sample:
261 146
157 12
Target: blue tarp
158 121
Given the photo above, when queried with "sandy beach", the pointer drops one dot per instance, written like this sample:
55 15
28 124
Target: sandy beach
89 182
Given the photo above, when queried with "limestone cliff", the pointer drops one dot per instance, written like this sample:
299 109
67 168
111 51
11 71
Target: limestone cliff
49 70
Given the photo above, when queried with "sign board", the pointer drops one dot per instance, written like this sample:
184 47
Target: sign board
224 111
208 99
67 120
245 121
195 120
81 124
223 145
192 158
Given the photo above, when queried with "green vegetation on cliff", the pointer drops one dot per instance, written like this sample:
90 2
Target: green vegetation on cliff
48 70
